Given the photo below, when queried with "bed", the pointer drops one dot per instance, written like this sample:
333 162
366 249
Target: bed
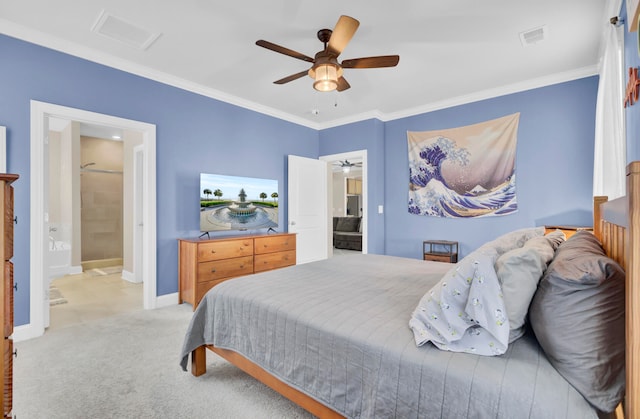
332 336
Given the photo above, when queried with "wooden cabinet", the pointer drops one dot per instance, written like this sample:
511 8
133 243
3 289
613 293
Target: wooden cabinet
354 186
202 264
440 250
6 293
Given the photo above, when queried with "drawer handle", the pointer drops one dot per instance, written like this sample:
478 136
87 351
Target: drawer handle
15 286
241 266
213 251
15 219
213 270
15 353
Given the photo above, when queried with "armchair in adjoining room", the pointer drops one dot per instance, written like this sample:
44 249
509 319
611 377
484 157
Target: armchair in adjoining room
347 233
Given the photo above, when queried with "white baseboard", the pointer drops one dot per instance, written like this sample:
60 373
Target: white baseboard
130 277
26 332
58 271
167 300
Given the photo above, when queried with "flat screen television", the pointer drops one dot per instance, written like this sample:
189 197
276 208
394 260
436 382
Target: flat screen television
237 203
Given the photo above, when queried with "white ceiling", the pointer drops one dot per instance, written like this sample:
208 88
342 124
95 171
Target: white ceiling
451 52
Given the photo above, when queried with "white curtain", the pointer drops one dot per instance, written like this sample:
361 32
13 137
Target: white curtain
610 140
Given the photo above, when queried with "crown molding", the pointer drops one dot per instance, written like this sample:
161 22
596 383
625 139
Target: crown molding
497 92
36 37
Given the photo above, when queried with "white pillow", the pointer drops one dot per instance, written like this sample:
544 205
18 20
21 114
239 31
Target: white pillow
465 311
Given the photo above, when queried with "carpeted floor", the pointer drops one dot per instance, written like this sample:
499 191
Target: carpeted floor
127 366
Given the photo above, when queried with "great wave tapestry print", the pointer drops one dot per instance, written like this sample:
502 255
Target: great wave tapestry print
464 172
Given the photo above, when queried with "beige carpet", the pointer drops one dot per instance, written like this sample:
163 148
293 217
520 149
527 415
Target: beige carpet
127 366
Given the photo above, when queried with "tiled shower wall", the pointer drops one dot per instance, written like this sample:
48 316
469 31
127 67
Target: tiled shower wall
101 199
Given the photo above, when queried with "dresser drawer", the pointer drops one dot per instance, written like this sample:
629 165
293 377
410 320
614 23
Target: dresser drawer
7 196
274 244
224 250
274 260
8 299
8 377
218 269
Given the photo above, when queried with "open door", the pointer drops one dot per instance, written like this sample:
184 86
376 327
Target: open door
308 208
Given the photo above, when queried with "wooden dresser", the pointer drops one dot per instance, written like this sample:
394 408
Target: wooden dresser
202 264
6 293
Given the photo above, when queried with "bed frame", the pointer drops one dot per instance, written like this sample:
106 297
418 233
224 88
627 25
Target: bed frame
616 224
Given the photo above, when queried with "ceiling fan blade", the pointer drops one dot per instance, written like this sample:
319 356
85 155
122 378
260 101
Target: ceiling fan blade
342 84
292 77
342 34
283 50
372 62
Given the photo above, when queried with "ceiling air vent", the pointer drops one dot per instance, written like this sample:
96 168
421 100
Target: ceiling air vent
533 36
126 32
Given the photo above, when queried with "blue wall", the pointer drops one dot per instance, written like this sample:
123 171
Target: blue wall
194 134
554 165
198 134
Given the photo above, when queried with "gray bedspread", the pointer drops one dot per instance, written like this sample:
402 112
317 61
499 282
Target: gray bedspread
338 331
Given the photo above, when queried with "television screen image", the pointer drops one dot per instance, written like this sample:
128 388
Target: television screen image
237 203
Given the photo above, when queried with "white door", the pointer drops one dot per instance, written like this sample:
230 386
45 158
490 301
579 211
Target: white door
308 208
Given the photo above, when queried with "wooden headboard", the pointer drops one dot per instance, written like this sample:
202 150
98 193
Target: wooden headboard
617 225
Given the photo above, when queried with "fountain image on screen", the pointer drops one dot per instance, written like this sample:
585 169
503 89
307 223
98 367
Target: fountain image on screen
237 203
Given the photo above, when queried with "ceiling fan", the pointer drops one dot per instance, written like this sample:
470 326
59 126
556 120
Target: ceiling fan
326 71
347 165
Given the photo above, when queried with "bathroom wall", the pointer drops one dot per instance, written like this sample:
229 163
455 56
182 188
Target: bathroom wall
101 199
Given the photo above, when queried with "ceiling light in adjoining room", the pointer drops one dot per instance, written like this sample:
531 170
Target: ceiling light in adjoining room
326 77
346 169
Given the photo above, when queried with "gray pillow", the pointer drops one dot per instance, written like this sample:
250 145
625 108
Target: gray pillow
512 239
519 270
577 315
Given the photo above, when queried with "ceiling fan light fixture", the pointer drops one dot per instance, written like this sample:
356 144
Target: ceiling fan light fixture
346 169
326 77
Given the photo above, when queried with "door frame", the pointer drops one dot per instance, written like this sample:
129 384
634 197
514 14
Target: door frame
350 155
138 208
40 111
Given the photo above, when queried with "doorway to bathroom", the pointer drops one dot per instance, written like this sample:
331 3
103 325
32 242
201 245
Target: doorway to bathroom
138 172
94 285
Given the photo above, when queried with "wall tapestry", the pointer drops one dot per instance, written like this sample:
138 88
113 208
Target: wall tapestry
464 172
